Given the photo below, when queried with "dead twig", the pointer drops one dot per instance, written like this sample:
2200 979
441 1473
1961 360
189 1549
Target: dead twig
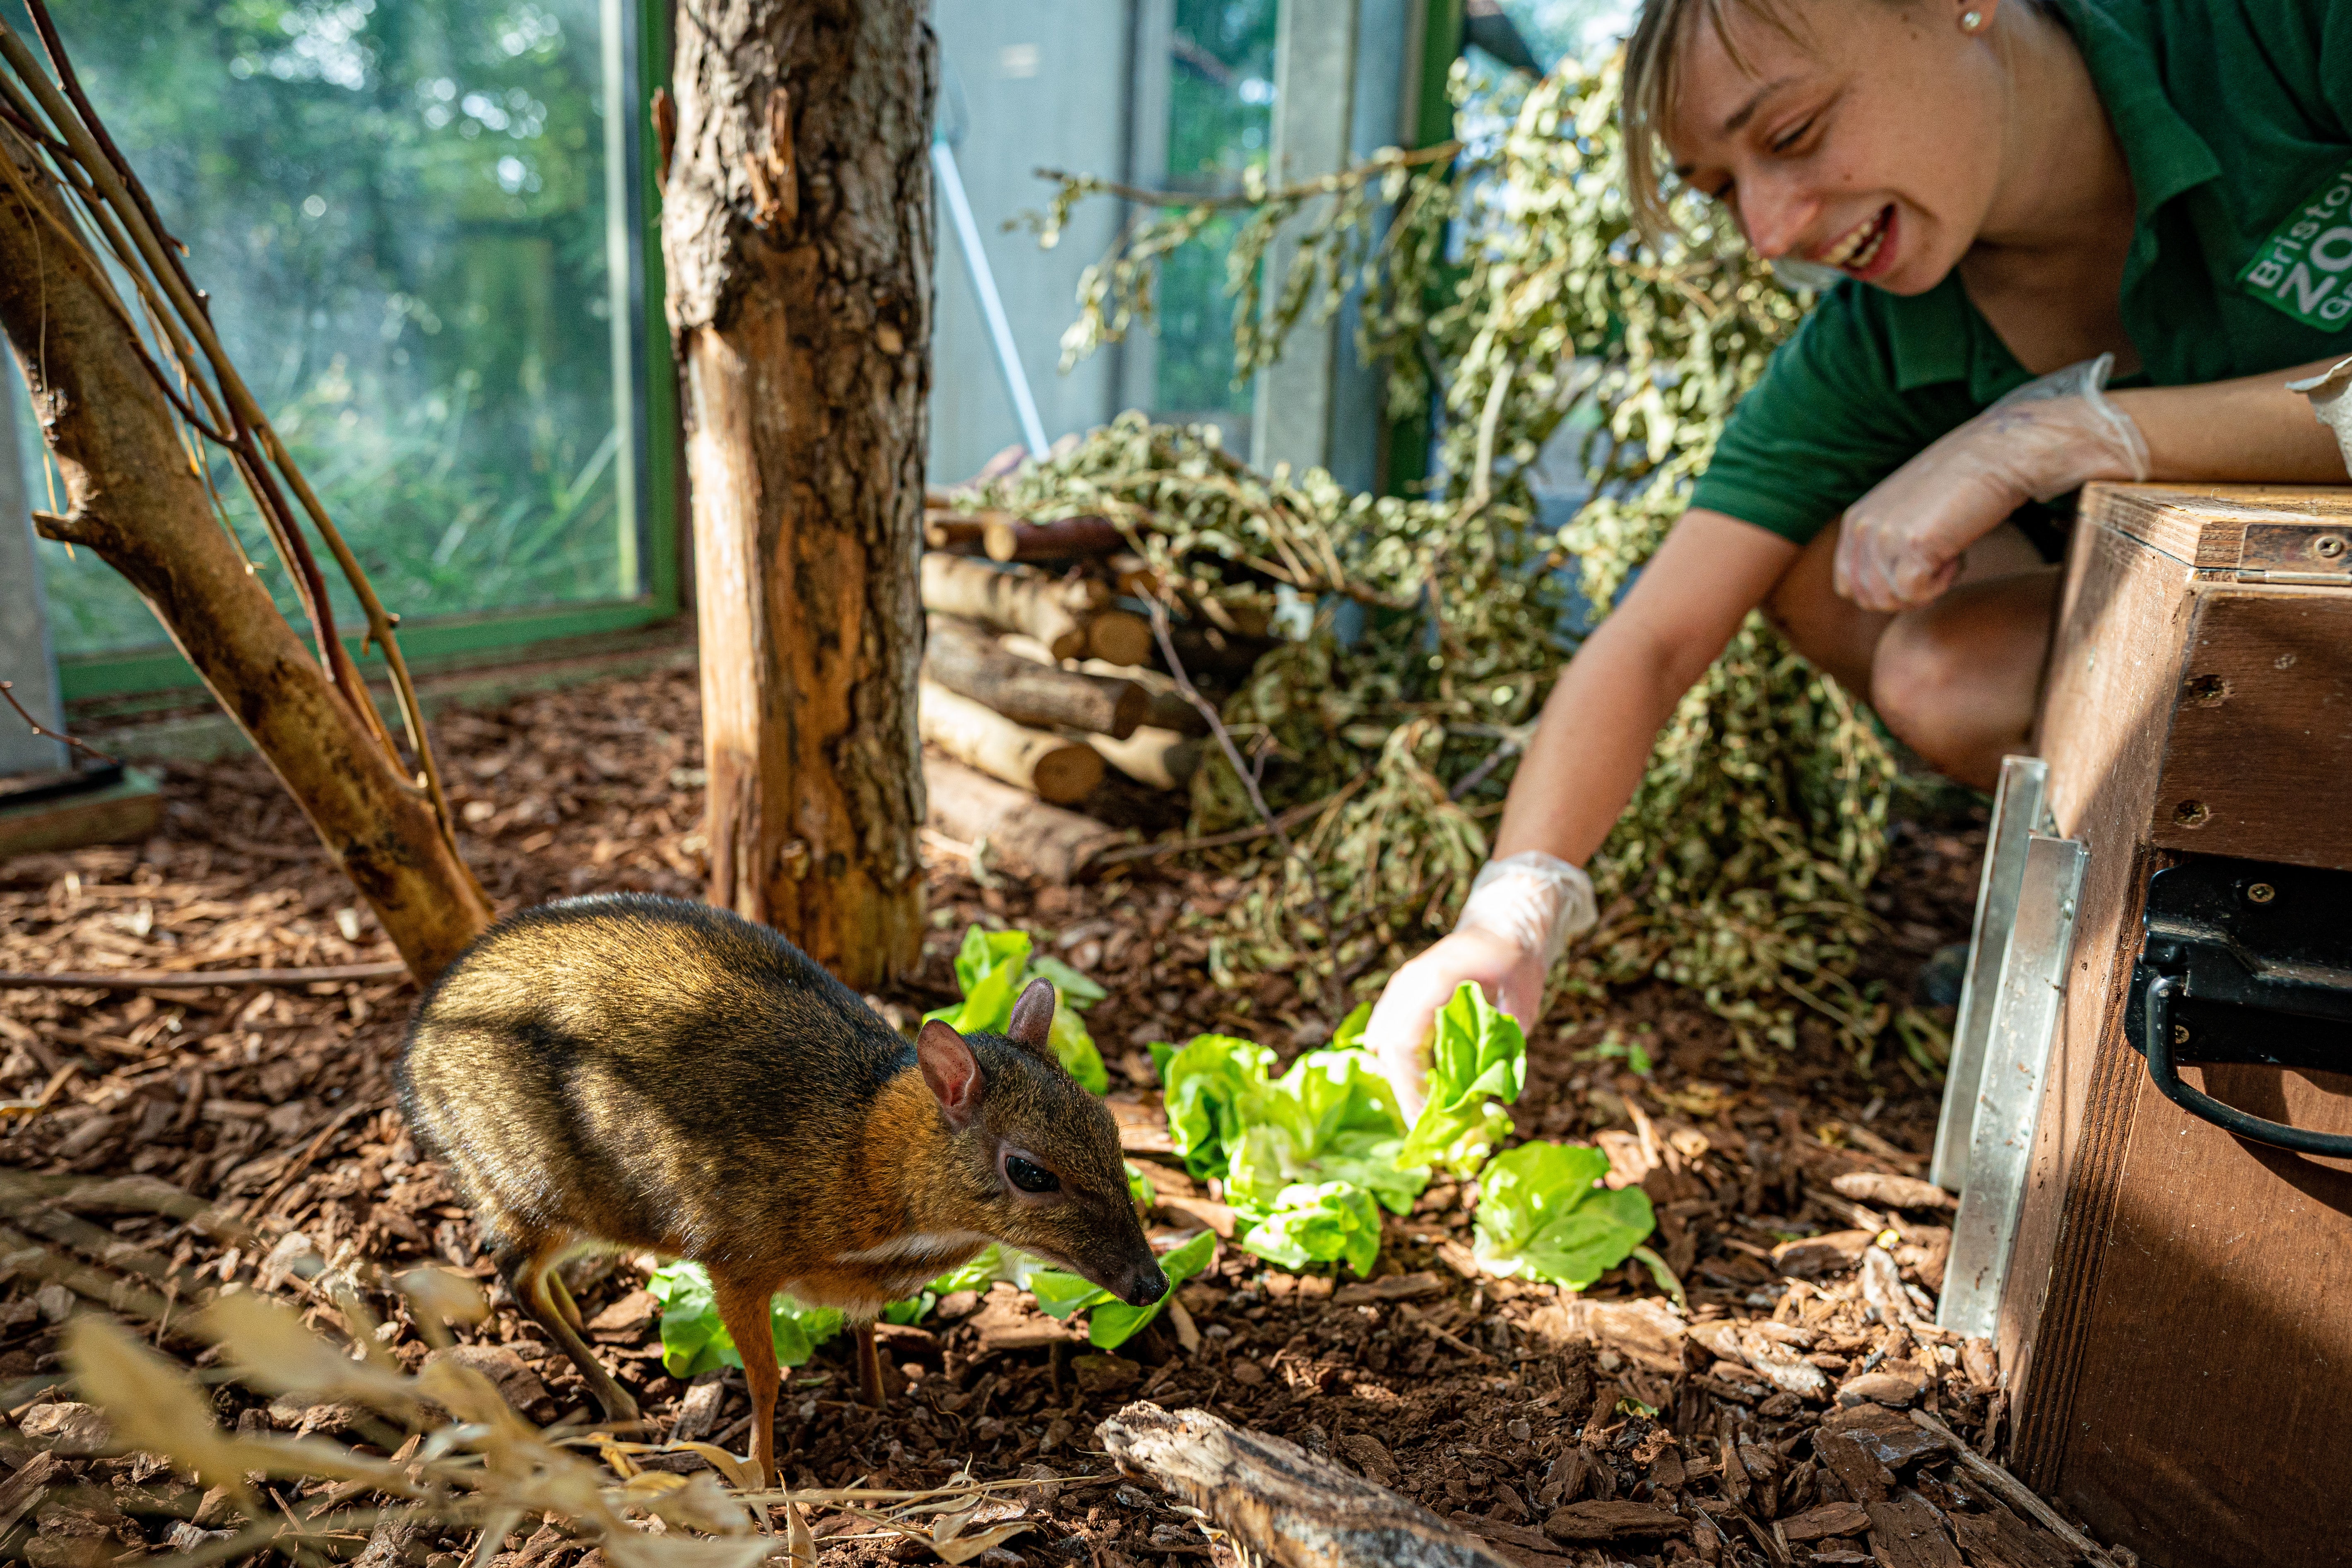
8 690
173 980
1289 819
1207 710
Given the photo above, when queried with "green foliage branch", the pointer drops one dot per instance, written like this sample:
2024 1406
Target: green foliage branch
1739 868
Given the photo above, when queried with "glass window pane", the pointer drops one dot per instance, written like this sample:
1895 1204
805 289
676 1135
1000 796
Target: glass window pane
1220 115
405 212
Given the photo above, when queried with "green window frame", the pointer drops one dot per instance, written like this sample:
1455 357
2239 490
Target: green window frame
637 39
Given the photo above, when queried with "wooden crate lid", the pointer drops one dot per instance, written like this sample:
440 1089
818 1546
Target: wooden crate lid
2274 533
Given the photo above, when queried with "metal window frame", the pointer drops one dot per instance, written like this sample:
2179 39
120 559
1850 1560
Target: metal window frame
466 638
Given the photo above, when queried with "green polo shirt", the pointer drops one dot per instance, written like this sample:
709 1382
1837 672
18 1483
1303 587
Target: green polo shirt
2235 118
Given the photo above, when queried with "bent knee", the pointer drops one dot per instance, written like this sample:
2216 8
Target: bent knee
1920 681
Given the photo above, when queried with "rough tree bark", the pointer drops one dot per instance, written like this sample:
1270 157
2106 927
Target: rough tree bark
797 229
136 503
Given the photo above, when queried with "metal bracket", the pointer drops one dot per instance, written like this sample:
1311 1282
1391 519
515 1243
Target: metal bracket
2008 1098
2017 813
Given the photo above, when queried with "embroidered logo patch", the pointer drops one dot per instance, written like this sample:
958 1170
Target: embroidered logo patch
2304 268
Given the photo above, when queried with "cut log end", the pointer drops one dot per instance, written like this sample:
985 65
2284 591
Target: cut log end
966 659
1117 636
1007 538
1023 834
1063 772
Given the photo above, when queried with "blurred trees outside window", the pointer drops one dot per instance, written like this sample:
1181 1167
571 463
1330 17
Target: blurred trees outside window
1220 119
400 209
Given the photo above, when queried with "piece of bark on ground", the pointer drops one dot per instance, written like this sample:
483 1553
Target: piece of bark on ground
1592 1523
1905 1532
1281 1503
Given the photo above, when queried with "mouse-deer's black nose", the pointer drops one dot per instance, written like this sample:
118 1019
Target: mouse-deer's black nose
1146 1283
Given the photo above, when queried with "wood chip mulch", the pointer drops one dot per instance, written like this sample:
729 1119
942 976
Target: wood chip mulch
1772 1425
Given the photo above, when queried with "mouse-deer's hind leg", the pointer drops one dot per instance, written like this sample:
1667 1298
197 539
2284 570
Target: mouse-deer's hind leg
563 1301
743 1308
530 1276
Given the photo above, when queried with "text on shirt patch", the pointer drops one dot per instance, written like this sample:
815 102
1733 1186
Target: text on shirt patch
2304 268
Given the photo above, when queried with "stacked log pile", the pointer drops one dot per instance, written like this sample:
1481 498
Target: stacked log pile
1042 679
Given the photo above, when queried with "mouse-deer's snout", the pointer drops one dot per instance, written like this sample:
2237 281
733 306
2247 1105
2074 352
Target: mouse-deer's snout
1146 1282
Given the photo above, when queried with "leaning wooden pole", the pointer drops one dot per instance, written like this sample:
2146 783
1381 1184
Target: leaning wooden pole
796 226
138 503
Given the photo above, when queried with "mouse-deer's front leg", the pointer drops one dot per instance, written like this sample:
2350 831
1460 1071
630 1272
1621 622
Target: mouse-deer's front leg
869 1367
743 1308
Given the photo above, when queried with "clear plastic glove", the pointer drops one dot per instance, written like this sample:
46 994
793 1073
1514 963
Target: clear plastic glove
1518 919
1902 544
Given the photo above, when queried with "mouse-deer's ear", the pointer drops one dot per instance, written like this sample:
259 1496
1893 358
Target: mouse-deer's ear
1032 1020
951 1071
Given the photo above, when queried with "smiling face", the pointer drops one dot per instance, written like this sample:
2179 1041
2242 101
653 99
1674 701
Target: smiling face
1865 135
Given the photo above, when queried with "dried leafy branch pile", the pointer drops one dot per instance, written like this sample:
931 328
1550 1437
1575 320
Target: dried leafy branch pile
1739 870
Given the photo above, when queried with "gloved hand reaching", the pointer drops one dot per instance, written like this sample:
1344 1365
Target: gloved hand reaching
1902 542
1518 919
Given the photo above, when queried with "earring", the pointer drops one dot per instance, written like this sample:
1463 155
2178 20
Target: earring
1971 21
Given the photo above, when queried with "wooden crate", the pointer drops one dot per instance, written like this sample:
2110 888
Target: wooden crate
2177 1326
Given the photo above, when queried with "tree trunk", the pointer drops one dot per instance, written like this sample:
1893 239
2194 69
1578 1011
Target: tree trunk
796 225
139 506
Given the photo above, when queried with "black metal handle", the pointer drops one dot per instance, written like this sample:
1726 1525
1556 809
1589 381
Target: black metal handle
2229 1118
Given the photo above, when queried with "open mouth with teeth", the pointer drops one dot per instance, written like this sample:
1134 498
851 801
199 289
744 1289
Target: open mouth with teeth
1858 252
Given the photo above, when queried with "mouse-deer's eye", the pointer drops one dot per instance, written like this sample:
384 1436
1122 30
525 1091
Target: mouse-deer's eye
1028 1177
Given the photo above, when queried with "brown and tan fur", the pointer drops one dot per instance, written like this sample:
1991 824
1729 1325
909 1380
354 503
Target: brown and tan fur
626 1071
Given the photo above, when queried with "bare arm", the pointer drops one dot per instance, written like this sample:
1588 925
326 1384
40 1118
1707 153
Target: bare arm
1591 746
1901 544
1603 719
2252 428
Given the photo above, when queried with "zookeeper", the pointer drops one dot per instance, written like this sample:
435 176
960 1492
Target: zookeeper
2079 240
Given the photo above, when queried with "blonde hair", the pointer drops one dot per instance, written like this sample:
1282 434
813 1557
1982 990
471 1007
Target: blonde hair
1651 81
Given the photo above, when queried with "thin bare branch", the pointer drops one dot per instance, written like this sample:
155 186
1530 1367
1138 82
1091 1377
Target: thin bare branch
8 690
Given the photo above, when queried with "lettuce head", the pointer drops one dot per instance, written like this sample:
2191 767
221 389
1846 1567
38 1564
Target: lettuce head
1543 1214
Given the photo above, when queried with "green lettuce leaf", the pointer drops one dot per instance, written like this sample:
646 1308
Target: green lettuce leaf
1318 1223
1075 987
1478 1051
977 1275
1205 1085
1543 1214
694 1341
1112 1322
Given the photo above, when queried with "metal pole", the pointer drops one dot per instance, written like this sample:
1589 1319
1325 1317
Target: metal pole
984 283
